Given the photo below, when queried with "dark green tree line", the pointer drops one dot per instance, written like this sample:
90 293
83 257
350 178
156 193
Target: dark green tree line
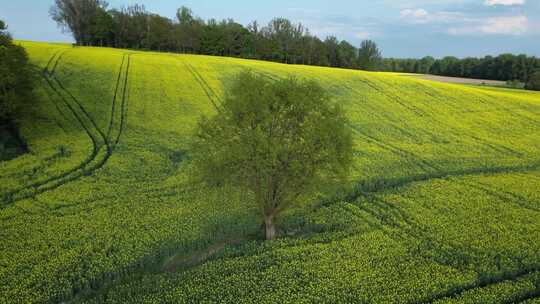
93 24
133 27
503 67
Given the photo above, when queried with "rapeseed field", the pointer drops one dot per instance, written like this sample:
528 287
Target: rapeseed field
443 205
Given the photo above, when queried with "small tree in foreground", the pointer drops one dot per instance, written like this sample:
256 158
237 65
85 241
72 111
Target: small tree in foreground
279 140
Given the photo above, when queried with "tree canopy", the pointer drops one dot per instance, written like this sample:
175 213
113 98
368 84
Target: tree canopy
15 80
80 17
369 56
534 82
277 139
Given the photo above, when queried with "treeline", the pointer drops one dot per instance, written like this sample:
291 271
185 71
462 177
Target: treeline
133 27
503 67
92 23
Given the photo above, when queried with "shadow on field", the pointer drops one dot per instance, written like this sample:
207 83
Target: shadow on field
11 143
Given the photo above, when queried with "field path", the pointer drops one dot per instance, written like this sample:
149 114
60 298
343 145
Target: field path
459 80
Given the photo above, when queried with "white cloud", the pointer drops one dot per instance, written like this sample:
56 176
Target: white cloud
422 16
514 25
504 2
413 13
457 23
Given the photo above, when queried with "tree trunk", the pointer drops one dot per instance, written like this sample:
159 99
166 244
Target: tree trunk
269 227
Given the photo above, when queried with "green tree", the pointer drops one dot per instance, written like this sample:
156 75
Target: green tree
534 82
347 55
425 64
189 31
102 30
159 33
278 140
369 55
78 17
15 79
332 47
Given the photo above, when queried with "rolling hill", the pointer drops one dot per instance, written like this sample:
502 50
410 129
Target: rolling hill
443 205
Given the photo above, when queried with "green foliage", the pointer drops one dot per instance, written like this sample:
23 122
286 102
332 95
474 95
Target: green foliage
515 84
16 80
279 140
505 67
534 82
369 55
80 17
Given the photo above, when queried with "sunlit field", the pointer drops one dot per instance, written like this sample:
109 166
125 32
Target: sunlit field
442 206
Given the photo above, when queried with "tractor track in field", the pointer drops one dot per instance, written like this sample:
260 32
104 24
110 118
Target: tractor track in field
480 98
507 109
396 99
503 195
422 163
379 185
204 85
493 146
125 103
113 106
12 195
393 216
84 168
79 105
507 277
389 215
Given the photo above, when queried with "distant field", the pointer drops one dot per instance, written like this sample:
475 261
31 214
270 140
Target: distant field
461 80
443 205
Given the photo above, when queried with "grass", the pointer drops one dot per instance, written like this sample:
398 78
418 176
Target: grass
442 206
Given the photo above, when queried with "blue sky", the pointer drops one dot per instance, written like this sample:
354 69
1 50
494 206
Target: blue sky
403 28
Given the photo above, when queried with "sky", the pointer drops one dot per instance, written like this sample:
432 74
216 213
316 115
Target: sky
402 28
